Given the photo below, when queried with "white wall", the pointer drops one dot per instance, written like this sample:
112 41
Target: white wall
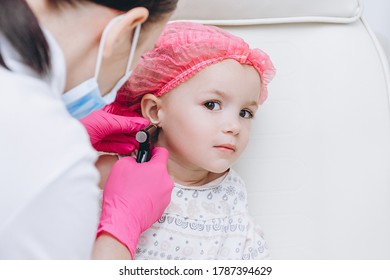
377 14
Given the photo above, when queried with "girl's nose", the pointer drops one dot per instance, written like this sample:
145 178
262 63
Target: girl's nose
232 125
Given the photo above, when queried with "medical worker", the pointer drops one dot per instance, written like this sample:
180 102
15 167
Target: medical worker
49 206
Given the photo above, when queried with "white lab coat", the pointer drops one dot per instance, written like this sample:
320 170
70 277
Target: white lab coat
48 183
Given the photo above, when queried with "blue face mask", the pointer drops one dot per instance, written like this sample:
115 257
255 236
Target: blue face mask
86 97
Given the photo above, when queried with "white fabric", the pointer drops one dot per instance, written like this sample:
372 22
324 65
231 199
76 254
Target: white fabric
48 182
205 222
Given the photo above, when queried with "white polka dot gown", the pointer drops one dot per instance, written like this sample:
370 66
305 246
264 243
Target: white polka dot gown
205 222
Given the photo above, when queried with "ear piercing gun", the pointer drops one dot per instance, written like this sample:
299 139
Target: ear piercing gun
144 138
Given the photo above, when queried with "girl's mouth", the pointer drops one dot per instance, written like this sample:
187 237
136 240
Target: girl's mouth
226 147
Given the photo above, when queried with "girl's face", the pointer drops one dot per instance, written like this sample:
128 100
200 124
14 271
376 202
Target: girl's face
206 120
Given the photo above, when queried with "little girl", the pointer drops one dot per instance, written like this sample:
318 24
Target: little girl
202 87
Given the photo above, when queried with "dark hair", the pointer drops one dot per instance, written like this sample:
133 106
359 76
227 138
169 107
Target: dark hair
17 18
156 8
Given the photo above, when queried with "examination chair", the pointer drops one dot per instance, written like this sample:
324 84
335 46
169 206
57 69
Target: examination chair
317 167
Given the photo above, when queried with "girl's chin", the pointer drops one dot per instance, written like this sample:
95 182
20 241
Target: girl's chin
219 171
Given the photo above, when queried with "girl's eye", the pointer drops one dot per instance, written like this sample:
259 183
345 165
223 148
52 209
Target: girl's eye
246 114
212 105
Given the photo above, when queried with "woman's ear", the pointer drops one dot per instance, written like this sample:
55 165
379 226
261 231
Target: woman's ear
119 32
150 107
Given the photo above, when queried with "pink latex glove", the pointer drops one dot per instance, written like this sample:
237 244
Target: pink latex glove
135 197
113 133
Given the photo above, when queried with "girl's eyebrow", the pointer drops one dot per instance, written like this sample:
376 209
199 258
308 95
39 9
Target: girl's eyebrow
253 104
218 92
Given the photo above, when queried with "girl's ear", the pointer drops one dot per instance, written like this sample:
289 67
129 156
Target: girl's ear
150 107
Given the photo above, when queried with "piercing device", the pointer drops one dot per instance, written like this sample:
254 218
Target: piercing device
144 138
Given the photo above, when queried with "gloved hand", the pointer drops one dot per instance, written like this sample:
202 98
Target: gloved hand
113 133
135 197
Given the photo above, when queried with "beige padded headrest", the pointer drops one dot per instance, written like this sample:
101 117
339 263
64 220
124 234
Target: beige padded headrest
268 11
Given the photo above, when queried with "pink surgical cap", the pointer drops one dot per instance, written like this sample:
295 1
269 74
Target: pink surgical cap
182 51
